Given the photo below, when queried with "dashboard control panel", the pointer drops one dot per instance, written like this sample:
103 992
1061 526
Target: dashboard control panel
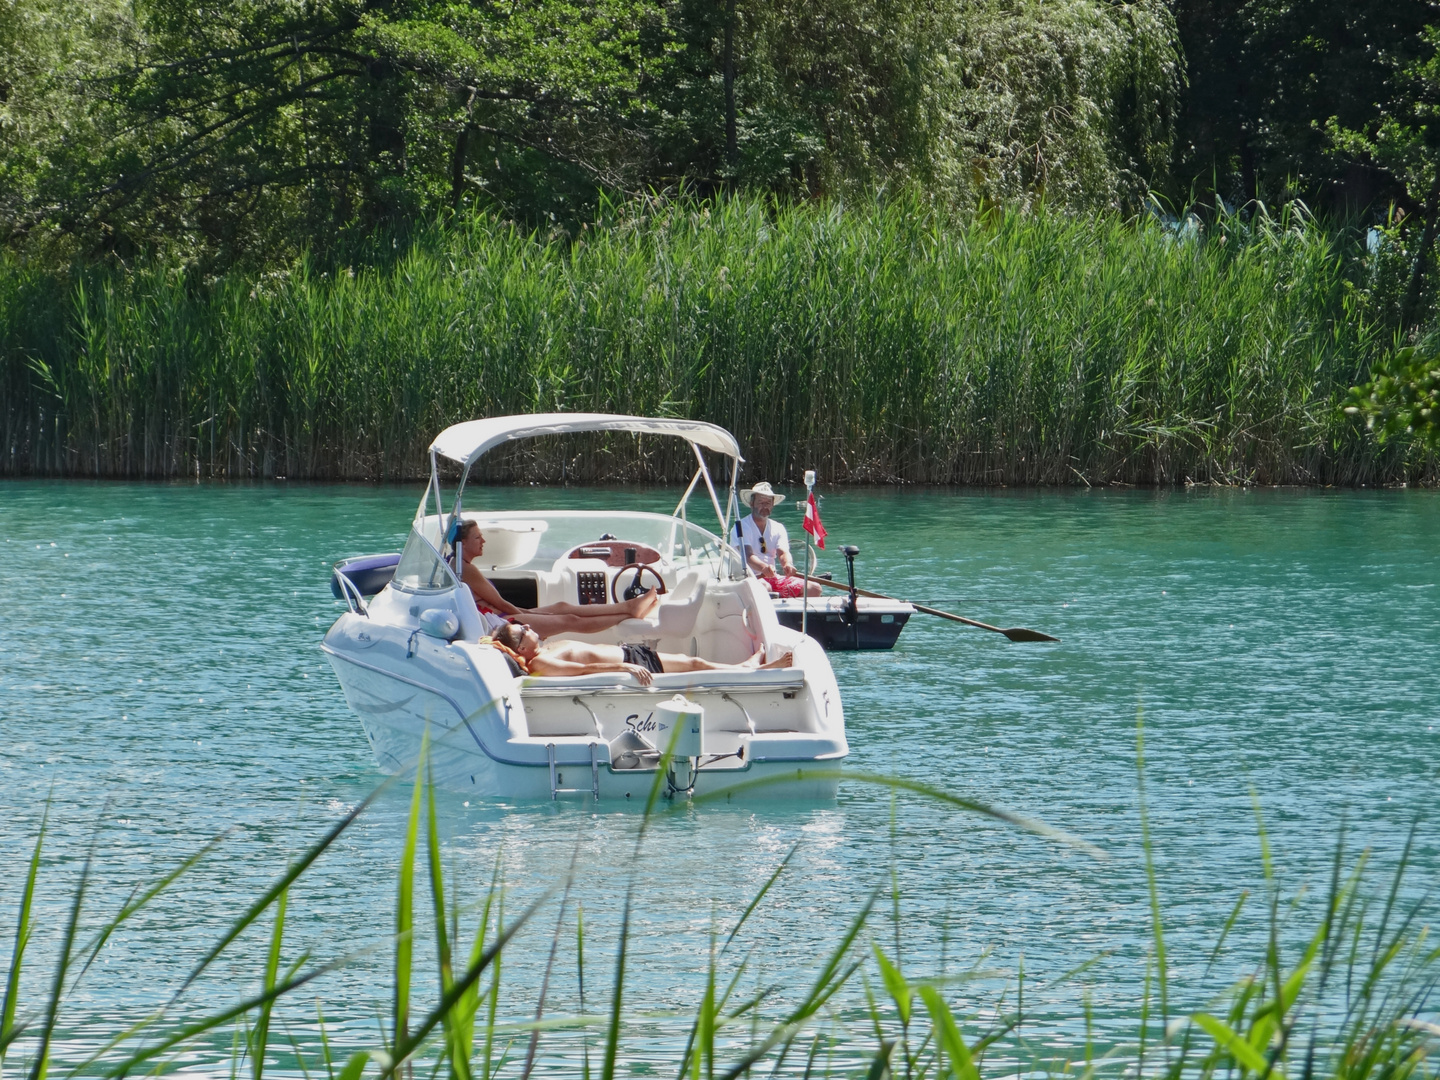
591 585
616 552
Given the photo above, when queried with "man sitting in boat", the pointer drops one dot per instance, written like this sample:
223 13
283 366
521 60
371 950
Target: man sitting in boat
766 545
561 618
522 644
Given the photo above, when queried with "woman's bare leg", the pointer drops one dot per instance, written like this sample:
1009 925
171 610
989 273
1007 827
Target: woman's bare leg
638 608
549 624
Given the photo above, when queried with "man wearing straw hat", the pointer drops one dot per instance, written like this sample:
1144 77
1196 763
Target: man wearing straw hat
766 546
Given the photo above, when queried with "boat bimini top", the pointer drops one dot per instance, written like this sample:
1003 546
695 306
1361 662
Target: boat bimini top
466 443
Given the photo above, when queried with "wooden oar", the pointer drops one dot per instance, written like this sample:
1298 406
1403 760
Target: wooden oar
1014 633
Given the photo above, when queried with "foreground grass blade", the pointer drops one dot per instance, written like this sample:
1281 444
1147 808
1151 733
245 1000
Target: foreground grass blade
261 1036
8 1031
617 996
1226 1037
298 867
469 1001
224 1016
138 902
826 985
490 1066
580 979
457 1048
895 985
549 967
1386 1031
412 1042
405 903
62 968
1157 924
947 1035
880 1067
900 783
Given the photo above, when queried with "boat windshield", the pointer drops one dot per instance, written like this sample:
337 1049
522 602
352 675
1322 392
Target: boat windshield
699 547
421 568
677 541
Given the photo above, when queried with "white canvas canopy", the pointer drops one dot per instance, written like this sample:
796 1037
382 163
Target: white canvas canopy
466 443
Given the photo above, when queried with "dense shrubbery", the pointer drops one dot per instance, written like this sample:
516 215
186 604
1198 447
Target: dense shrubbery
162 162
1402 398
886 342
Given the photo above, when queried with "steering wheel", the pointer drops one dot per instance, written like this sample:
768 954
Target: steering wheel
635 588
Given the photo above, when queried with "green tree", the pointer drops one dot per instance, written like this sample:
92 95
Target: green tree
1402 398
1404 141
48 51
255 129
239 124
1266 76
1070 100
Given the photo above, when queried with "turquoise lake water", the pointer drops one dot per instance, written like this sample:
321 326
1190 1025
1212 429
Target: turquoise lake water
160 682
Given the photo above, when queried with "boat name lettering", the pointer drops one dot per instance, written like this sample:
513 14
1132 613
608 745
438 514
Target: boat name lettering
634 723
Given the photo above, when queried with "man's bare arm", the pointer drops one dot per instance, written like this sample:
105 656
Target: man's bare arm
787 565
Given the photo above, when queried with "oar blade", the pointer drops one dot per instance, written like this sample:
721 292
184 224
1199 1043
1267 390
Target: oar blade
1015 633
1019 633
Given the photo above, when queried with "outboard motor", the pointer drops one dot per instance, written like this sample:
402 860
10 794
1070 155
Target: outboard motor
850 551
685 723
852 603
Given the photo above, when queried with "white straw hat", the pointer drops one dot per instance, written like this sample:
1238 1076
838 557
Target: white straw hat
761 488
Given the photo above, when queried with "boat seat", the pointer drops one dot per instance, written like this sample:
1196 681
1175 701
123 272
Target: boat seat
773 680
676 615
472 623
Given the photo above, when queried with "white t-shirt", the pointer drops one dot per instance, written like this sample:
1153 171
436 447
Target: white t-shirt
748 538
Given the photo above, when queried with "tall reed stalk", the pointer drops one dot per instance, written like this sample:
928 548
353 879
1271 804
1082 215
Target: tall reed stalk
878 342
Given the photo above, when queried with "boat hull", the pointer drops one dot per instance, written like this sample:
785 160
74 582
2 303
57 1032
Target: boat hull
770 734
875 624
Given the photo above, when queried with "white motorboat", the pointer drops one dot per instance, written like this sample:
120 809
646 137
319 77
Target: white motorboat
410 659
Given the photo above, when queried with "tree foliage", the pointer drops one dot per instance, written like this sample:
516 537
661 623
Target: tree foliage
1402 398
234 129
1266 77
236 123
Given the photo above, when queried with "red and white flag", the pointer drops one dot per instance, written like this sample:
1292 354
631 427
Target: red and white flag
812 523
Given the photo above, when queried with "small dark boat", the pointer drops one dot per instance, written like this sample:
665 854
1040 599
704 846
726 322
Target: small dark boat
849 622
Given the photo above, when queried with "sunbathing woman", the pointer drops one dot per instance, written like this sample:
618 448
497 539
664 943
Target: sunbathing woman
582 658
551 619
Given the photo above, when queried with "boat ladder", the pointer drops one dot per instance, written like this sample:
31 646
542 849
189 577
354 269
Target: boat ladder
556 790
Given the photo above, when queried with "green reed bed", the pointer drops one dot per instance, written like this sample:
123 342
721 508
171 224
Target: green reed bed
1354 1003
878 342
